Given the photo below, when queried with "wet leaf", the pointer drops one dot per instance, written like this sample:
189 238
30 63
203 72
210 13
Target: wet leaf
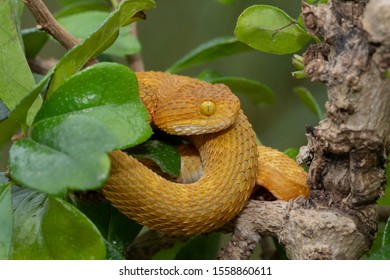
94 112
49 228
269 29
118 230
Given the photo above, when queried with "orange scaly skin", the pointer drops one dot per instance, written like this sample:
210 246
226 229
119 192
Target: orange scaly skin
228 152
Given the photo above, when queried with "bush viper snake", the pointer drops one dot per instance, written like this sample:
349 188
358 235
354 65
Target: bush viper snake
211 118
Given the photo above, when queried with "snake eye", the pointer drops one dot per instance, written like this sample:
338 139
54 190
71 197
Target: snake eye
207 108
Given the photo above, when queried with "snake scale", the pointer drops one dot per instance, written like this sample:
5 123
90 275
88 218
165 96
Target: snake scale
232 163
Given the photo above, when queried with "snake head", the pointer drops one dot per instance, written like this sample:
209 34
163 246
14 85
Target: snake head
197 108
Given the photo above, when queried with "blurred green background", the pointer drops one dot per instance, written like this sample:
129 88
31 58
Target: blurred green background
176 27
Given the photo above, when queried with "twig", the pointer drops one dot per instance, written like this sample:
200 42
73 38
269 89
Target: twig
46 22
135 61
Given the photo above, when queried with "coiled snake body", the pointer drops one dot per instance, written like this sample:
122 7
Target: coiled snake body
232 163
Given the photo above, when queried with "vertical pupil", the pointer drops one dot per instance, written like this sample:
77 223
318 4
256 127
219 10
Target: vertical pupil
207 108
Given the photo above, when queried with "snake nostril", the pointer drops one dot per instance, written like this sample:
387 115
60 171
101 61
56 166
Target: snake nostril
207 108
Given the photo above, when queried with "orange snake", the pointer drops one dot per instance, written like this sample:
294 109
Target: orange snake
232 162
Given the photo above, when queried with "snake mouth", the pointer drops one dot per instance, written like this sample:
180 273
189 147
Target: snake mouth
196 129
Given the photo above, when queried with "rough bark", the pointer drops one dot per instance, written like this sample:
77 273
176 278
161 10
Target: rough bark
346 152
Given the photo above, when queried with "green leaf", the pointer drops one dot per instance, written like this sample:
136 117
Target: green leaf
113 253
33 40
16 79
384 251
299 74
56 169
83 24
382 254
82 6
92 46
386 234
165 155
255 91
297 61
17 117
211 50
94 112
292 153
308 100
73 61
121 231
118 230
300 22
269 29
6 218
49 228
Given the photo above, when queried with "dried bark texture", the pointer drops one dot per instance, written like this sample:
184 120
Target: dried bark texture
346 152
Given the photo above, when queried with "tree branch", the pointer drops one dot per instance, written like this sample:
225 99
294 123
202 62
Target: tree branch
46 22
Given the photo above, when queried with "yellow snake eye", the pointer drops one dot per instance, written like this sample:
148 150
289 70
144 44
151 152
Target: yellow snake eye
207 108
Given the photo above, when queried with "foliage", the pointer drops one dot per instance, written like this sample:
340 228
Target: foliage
80 112
269 29
383 253
72 119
